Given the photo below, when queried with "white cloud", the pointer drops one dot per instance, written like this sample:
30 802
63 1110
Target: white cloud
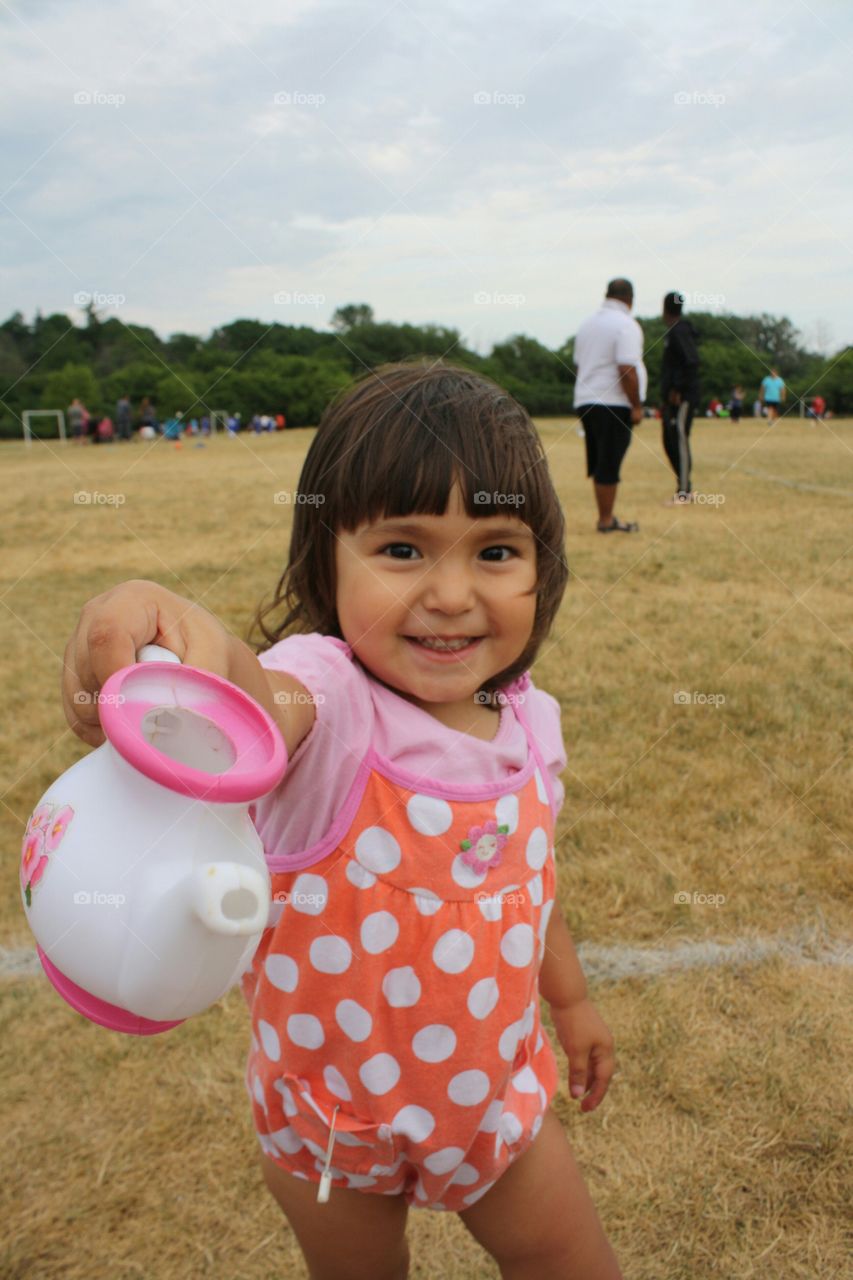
379 178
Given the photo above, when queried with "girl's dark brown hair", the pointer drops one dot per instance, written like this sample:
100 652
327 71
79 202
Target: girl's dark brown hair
393 444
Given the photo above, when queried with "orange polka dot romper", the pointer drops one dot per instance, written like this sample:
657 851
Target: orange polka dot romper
396 996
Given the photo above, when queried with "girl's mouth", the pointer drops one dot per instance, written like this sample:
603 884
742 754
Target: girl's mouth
449 651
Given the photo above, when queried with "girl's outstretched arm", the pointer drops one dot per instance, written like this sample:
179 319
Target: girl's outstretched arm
114 626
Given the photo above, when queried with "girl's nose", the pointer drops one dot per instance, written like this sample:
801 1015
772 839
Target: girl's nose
448 590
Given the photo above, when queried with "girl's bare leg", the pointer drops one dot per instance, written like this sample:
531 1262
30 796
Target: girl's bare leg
538 1221
354 1236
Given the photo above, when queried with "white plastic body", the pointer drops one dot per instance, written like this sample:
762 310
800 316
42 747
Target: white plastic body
153 901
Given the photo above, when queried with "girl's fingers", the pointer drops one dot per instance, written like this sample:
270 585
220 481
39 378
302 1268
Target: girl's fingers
601 1073
579 1068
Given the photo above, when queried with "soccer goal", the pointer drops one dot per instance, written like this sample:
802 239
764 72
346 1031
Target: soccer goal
218 421
28 415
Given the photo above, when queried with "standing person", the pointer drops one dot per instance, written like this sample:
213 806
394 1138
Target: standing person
773 394
679 393
736 403
78 420
609 393
124 426
148 414
398 955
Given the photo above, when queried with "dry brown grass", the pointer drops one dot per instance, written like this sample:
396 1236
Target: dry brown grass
721 1148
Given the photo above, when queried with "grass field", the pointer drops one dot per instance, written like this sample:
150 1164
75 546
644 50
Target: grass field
723 1147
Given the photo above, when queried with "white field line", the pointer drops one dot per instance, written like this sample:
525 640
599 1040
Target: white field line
809 945
795 484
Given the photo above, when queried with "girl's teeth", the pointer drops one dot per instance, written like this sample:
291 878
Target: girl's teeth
452 644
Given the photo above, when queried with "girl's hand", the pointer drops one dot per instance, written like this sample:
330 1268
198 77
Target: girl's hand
114 626
589 1047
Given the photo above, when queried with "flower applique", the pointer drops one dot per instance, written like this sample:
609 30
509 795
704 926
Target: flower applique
43 835
484 845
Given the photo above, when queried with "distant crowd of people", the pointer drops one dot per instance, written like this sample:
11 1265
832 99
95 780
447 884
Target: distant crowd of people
145 423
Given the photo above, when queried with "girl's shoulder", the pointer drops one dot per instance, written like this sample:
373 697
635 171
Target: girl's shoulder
336 684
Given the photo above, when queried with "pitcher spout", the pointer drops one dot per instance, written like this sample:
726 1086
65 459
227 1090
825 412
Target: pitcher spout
230 898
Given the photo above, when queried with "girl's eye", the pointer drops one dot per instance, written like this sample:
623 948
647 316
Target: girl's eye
407 546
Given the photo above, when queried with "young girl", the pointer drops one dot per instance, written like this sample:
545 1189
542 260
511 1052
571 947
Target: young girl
397 1057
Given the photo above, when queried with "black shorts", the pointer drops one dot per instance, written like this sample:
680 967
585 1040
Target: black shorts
607 435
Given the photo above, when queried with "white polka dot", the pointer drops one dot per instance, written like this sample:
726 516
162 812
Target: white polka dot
490 906
360 876
525 1081
401 987
539 1043
353 1020
534 888
426 901
536 1126
377 850
287 1140
490 1120
330 954
305 1030
540 787
468 1088
510 1127
282 971
420 1192
290 1107
483 997
517 945
309 894
508 1043
445 1160
543 1098
360 1180
454 951
544 918
528 1017
336 1084
429 815
416 1123
536 852
506 812
258 1091
466 1175
269 1039
434 1043
379 931
379 1073
464 875
478 1195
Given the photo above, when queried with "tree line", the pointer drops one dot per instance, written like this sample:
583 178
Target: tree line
251 366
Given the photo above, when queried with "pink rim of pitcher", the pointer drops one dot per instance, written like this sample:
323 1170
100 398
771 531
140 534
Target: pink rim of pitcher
260 756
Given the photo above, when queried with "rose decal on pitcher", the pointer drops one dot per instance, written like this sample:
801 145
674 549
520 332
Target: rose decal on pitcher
43 835
484 845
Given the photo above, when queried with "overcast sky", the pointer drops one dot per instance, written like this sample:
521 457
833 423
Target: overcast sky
486 166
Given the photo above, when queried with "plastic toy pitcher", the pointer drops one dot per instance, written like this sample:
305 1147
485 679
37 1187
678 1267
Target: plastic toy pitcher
142 875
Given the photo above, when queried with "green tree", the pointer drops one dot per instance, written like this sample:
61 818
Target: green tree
351 316
64 384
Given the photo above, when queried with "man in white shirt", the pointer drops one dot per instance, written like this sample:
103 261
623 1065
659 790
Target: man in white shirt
609 393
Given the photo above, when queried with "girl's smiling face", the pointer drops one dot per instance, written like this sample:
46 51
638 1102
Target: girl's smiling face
437 577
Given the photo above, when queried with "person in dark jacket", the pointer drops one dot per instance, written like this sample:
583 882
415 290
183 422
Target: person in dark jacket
679 393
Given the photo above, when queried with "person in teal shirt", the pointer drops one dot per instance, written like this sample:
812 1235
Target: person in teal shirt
773 392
